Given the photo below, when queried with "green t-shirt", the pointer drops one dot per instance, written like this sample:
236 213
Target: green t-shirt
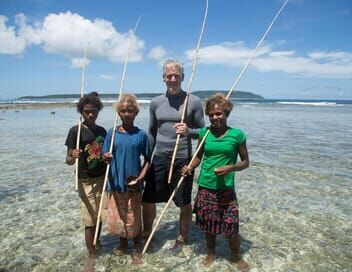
219 152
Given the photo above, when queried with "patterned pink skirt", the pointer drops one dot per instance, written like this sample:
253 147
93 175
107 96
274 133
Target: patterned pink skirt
124 214
217 211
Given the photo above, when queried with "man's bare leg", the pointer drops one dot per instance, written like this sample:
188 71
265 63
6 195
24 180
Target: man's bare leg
149 213
185 222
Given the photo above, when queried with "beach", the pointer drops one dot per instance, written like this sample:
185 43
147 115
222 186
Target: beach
295 198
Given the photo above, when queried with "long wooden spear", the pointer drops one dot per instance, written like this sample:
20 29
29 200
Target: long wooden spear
185 104
80 118
114 129
206 134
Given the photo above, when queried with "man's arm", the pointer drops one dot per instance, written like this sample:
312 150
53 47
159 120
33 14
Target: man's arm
198 119
153 127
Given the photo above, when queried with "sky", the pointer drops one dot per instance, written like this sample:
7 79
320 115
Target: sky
306 55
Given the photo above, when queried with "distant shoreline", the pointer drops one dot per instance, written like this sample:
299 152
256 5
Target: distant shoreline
25 106
47 104
69 100
201 94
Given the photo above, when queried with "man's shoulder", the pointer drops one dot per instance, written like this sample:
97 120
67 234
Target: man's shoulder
158 98
194 98
156 101
195 101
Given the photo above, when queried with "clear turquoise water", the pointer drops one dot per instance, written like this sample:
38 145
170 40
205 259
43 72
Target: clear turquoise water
295 199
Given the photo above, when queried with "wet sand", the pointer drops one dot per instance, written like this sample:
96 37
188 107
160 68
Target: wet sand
295 207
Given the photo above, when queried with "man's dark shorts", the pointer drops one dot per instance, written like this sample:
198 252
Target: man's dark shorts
158 190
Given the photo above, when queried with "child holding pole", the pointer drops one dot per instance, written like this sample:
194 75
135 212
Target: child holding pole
126 176
91 167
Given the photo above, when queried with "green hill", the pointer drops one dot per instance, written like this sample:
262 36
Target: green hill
234 95
201 94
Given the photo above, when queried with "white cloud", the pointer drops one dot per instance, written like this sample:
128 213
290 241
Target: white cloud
107 77
28 32
282 53
10 43
337 64
68 34
306 66
78 62
331 56
157 53
232 54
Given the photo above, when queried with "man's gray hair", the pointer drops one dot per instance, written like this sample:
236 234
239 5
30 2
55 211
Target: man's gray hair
171 62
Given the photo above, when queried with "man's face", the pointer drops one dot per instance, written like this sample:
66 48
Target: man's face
173 79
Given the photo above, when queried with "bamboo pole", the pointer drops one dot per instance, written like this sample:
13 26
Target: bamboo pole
113 131
207 132
255 51
80 118
185 103
169 202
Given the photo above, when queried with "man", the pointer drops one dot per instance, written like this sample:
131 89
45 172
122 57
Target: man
165 124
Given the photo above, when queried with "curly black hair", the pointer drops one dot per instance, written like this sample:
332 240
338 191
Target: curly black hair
91 98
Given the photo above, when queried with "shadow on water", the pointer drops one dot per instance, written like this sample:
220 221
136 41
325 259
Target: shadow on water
222 245
165 232
109 243
164 239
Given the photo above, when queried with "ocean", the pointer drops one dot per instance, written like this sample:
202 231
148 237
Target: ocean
295 198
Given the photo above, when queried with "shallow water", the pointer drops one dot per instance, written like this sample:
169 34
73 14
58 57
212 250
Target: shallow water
295 199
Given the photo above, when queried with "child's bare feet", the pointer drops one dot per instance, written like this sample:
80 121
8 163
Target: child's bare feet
137 258
241 264
209 260
89 266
